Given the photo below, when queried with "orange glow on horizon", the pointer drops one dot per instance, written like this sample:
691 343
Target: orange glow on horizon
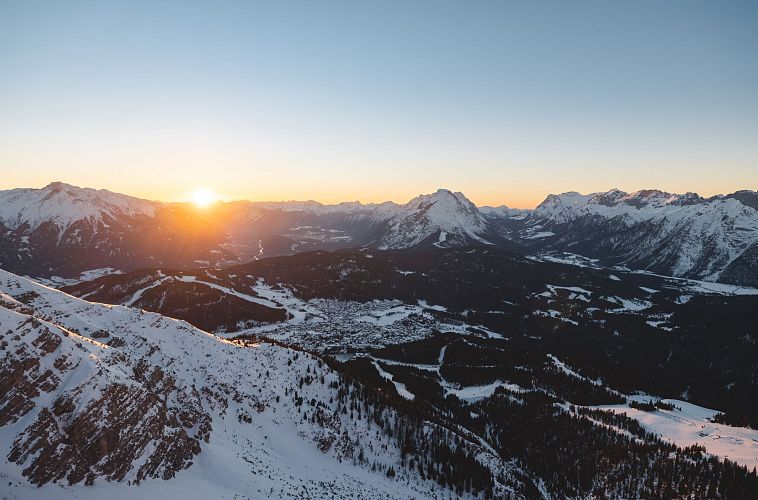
204 192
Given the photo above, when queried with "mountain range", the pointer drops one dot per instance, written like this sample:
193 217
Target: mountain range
63 230
433 349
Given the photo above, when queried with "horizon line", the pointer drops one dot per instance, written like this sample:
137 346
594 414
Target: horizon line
227 199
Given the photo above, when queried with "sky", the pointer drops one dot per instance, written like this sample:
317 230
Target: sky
505 101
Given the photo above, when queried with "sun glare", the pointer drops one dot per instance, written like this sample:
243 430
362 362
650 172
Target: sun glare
203 197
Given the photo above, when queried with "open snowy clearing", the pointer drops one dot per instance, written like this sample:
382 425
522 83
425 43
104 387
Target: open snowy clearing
689 424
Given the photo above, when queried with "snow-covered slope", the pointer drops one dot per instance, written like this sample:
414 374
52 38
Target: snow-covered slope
449 217
687 424
63 205
65 230
112 396
676 234
502 211
634 207
444 218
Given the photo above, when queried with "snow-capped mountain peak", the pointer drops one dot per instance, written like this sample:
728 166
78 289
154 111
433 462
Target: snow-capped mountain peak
449 216
63 204
63 229
678 234
640 204
442 202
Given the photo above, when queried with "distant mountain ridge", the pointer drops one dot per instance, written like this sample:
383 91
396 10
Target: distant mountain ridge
63 205
676 234
63 229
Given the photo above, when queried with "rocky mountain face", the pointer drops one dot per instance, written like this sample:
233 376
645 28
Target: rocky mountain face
111 396
679 235
64 230
445 219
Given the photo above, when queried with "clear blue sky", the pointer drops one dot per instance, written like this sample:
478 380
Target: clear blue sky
505 101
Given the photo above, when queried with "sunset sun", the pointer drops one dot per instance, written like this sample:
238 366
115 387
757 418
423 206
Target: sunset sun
203 197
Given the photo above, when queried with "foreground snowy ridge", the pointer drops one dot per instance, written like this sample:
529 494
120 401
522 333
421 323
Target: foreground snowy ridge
111 396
